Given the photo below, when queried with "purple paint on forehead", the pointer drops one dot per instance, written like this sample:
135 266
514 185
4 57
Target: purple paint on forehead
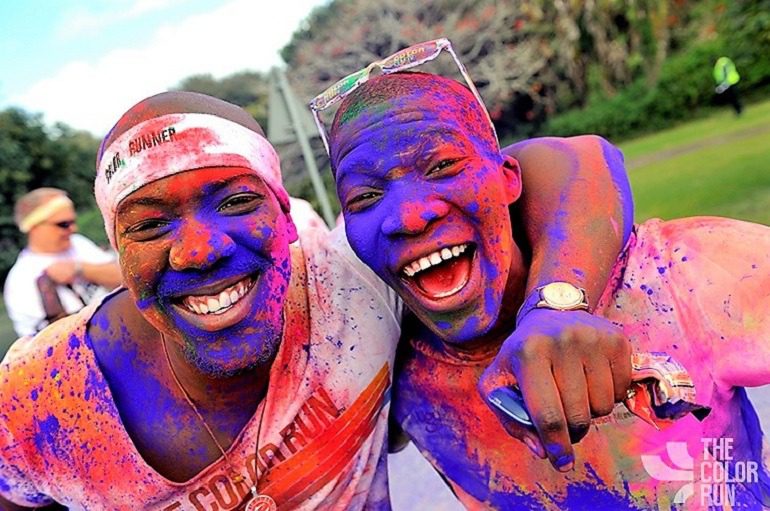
384 96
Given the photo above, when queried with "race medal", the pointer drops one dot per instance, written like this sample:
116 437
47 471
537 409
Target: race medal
260 503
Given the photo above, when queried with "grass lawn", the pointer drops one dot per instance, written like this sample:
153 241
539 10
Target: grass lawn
719 165
714 166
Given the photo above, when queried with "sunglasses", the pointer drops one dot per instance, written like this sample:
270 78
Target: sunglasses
64 224
399 61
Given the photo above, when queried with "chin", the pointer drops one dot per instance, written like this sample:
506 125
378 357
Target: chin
461 329
233 358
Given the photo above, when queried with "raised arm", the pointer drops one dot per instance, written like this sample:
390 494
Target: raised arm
577 213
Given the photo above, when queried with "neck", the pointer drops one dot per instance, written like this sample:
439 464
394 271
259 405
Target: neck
505 323
242 392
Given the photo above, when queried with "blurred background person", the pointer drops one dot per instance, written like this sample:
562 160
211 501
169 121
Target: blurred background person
58 272
727 79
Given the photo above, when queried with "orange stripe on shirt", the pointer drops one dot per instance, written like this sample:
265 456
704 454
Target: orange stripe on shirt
331 466
341 440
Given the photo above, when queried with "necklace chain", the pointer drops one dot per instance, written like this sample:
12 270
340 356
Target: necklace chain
256 501
237 478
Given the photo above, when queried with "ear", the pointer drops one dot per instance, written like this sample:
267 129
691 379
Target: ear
512 178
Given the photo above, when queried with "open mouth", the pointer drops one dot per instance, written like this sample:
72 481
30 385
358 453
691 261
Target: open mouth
219 308
442 273
218 303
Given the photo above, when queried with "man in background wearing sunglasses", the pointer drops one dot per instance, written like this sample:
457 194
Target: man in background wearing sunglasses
59 272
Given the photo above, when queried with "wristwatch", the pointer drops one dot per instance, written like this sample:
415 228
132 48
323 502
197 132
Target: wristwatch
560 296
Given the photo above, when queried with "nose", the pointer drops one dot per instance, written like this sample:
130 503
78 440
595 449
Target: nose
199 246
414 217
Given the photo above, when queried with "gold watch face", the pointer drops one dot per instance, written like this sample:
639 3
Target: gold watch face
561 295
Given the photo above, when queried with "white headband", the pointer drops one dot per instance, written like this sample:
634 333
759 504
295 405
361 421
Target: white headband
175 143
41 213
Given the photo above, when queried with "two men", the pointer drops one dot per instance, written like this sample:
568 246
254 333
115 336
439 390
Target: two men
232 366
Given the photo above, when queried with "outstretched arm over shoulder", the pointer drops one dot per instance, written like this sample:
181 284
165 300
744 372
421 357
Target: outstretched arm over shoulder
576 210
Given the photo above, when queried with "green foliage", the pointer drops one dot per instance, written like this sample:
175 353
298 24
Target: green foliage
32 156
91 225
319 18
246 89
746 29
685 84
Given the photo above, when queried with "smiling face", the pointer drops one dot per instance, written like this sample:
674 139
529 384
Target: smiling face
205 255
425 194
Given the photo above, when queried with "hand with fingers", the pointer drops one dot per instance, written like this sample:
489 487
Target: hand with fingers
570 367
63 272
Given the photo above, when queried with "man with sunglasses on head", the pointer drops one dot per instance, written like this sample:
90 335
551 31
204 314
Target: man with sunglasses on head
574 252
59 271
419 172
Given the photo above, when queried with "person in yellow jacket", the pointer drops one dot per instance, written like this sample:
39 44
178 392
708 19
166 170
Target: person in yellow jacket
727 78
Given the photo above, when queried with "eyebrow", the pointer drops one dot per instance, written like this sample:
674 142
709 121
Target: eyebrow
211 189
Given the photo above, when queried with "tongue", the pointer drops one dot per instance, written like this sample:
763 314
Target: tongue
439 280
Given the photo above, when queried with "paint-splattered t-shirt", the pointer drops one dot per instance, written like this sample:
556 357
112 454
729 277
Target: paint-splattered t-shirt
697 289
322 445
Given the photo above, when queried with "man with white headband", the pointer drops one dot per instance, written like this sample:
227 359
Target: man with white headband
235 371
59 271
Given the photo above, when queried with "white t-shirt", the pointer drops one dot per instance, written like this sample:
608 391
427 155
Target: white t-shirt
21 295
323 442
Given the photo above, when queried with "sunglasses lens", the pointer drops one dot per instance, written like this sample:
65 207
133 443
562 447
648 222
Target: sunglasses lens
66 224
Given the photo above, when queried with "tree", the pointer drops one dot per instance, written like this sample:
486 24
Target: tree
246 89
547 53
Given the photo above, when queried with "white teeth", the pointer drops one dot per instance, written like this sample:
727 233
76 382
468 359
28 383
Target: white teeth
220 303
433 259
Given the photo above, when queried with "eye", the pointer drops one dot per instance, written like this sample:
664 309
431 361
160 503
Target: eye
146 229
361 201
240 203
444 167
